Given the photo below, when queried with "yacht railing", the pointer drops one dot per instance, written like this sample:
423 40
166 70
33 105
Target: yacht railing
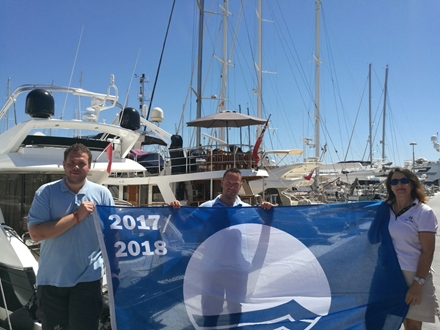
187 160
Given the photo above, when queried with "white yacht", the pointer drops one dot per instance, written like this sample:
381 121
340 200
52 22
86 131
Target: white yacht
32 152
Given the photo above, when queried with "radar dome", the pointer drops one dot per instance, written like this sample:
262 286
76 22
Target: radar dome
157 115
130 119
40 104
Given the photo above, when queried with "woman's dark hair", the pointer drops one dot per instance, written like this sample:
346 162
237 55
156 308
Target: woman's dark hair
417 190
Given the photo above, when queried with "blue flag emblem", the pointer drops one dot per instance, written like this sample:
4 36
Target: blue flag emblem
309 267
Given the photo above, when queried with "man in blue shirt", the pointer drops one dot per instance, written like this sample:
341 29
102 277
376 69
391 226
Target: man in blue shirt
231 185
70 263
225 271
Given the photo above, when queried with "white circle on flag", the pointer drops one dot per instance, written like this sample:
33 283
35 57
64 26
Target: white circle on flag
253 267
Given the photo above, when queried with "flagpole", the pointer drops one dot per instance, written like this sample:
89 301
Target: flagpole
255 156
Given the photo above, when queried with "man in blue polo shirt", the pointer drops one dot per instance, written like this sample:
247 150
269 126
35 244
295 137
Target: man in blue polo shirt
224 271
231 185
70 263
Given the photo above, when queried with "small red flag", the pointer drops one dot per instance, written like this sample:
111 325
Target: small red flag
255 156
309 175
109 151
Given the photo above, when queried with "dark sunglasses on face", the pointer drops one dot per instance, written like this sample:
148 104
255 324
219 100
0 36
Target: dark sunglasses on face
395 182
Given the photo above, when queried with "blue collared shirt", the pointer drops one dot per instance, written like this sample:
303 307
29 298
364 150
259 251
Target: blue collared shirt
217 202
73 256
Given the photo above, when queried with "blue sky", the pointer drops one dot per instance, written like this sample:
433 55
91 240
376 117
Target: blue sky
60 42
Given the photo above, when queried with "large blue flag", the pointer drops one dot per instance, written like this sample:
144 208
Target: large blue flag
329 266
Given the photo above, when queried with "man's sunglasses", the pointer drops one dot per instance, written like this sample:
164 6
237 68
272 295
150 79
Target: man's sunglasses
395 182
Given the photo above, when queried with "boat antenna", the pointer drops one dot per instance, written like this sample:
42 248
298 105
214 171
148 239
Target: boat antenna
8 94
160 60
73 69
131 80
15 108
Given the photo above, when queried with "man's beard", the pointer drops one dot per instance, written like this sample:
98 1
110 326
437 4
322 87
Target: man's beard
76 179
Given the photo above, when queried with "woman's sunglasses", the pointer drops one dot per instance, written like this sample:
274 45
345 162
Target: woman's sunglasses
395 182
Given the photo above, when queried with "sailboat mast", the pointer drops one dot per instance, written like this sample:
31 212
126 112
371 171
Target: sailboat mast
260 66
370 139
224 64
317 73
199 69
384 113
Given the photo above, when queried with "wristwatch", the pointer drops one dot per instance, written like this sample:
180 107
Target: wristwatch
419 280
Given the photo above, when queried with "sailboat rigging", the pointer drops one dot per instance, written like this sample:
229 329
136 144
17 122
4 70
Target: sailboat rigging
384 114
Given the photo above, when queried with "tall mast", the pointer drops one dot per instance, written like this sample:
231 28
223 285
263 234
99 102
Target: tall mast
384 113
199 69
370 139
260 66
317 64
224 64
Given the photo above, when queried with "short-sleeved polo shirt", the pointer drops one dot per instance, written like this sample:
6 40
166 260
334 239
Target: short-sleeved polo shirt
404 230
217 202
73 256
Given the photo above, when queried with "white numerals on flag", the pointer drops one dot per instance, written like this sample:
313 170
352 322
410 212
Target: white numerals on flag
134 249
128 222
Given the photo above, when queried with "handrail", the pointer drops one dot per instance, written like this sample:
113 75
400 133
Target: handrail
214 160
51 88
